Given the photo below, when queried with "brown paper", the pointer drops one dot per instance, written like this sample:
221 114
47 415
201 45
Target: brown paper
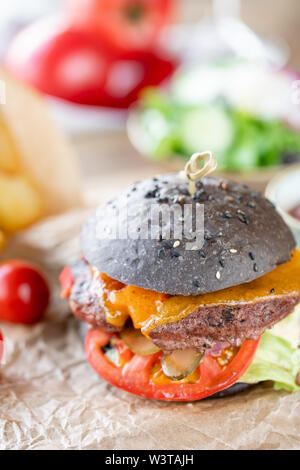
52 399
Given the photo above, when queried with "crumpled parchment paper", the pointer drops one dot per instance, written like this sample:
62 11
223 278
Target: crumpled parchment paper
52 399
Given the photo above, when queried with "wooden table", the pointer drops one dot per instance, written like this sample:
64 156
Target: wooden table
108 159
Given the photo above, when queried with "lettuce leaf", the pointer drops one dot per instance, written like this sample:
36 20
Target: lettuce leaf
276 359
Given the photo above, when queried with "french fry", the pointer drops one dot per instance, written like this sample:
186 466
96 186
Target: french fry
39 175
45 156
8 153
2 240
20 203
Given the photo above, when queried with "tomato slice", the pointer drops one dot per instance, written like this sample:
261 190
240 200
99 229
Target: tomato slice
138 375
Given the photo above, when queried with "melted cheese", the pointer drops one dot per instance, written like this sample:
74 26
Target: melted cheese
149 309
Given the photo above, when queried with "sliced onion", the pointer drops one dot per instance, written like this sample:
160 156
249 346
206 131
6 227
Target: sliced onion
112 355
179 364
137 342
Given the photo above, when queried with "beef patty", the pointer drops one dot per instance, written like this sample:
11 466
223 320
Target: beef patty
84 300
200 330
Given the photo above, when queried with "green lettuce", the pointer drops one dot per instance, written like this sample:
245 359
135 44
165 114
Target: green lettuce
276 358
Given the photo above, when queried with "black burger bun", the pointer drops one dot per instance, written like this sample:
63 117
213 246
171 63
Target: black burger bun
244 237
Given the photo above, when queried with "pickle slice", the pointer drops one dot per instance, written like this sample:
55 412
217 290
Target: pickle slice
180 363
137 342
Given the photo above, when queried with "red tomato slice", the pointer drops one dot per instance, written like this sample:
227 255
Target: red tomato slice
81 67
136 376
126 24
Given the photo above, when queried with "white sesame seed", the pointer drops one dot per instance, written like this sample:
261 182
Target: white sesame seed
218 275
175 244
233 250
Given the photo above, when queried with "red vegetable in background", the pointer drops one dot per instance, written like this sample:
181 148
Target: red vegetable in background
126 24
83 68
1 346
24 293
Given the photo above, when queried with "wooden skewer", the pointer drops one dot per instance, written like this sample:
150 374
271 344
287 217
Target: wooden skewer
192 172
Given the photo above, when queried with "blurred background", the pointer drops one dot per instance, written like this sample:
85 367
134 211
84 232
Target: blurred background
130 88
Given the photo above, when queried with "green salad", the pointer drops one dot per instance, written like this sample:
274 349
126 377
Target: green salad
218 108
278 356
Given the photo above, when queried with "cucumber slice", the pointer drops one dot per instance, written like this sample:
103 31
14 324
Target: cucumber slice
151 133
195 85
207 128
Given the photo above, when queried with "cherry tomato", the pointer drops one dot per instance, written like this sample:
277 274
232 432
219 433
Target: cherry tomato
126 24
142 375
81 67
24 293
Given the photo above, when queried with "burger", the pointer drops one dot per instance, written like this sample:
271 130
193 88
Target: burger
184 314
